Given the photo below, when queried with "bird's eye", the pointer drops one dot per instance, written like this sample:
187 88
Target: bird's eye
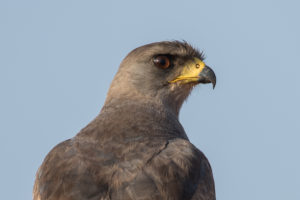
162 62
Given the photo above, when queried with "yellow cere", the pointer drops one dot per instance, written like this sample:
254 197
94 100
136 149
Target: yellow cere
191 71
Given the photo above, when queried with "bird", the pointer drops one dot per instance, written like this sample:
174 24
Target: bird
136 147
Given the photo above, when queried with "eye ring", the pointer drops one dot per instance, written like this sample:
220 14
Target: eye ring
162 61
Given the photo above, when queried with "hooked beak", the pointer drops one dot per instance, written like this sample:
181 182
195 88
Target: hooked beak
196 71
207 75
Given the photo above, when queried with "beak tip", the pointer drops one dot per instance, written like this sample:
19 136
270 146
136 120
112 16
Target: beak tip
214 83
207 75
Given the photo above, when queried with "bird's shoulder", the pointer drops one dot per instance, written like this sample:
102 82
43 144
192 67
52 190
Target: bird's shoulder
180 170
65 175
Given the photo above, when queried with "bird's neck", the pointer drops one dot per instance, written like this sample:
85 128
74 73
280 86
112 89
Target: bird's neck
126 118
149 117
155 105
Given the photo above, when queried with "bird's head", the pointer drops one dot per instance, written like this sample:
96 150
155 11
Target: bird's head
164 72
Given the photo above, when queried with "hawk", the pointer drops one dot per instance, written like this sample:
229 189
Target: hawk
136 147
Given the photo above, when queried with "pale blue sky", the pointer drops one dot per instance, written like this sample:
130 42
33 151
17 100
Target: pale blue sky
57 59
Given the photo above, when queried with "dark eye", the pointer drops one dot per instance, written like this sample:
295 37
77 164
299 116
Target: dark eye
162 62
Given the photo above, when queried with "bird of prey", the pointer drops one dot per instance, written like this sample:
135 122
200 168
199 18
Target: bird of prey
136 148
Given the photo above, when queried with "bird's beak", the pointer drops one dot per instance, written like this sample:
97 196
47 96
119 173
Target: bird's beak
195 71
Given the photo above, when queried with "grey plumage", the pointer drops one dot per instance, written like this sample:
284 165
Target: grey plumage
136 147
